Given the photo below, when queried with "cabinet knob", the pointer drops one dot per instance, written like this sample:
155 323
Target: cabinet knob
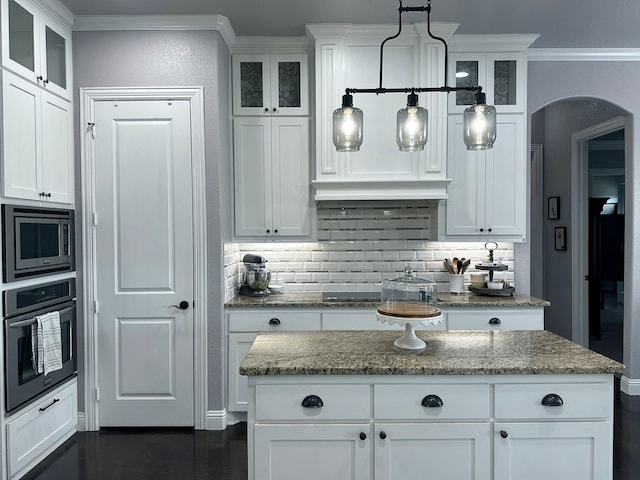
268 230
274 321
504 433
275 231
383 435
39 78
274 109
312 401
363 436
48 195
481 230
552 400
495 321
489 230
432 401
266 110
41 194
45 81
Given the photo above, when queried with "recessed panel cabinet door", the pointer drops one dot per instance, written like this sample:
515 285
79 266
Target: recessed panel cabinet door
458 451
57 149
563 450
312 452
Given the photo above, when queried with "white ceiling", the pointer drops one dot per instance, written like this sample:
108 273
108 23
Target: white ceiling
561 23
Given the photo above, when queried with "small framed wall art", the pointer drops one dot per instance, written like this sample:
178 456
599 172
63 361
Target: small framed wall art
553 208
560 236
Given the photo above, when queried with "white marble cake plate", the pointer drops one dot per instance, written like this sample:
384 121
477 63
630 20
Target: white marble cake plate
409 341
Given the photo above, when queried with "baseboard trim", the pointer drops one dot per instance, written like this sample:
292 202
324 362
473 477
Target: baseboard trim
630 386
82 422
217 419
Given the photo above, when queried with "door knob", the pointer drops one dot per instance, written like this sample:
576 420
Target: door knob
183 305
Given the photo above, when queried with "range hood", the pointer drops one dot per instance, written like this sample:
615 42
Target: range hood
431 189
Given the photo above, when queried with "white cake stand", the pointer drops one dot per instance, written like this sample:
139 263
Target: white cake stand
409 341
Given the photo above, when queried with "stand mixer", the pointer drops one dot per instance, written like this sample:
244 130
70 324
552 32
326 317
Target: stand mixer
256 276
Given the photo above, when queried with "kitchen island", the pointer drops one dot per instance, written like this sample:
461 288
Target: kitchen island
471 405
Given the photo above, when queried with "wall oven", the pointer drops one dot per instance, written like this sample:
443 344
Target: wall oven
37 241
21 305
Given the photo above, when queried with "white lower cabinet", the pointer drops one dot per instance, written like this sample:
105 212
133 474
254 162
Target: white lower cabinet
460 451
499 427
34 432
313 452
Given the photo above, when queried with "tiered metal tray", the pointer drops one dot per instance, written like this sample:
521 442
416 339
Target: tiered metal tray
493 267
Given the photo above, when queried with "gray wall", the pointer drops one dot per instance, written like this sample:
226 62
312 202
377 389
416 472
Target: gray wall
552 81
174 59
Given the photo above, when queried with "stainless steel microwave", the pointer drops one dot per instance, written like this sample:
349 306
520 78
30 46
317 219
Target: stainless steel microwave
36 241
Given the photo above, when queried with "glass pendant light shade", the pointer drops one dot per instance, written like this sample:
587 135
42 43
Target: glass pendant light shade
411 130
347 126
479 125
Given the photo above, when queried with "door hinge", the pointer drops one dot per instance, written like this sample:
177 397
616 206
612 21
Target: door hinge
91 128
97 394
96 306
94 219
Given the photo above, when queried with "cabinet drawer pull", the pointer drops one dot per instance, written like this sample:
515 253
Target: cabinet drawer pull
55 400
383 435
432 401
363 436
504 433
552 400
495 321
312 401
274 321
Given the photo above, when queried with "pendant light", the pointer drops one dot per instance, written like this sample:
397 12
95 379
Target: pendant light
411 132
411 128
347 126
479 124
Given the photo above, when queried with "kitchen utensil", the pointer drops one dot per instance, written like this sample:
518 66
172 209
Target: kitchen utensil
454 262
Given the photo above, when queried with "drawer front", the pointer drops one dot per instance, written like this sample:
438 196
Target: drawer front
405 402
339 402
274 321
364 320
579 401
496 319
37 430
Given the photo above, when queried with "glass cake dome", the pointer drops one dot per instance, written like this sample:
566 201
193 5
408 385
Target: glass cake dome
409 297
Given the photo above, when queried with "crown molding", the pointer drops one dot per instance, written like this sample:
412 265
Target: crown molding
57 10
491 42
85 23
268 44
583 54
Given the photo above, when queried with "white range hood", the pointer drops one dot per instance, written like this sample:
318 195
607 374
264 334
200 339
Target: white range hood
381 190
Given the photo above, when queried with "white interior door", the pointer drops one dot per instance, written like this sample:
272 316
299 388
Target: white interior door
144 262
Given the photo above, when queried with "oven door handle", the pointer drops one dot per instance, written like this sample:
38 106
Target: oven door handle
24 323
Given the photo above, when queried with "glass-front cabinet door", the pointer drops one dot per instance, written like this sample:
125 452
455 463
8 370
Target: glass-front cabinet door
270 85
499 74
36 47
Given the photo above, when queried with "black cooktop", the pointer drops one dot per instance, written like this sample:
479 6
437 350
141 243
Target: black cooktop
351 296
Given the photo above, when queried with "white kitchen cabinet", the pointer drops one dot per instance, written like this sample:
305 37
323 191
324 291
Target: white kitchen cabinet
243 326
270 85
348 56
37 145
502 76
569 425
495 319
313 452
436 450
35 431
487 196
36 46
271 162
472 434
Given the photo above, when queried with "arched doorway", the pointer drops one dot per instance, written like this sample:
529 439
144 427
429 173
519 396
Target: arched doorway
565 180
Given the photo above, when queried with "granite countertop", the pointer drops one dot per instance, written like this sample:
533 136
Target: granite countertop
514 352
314 300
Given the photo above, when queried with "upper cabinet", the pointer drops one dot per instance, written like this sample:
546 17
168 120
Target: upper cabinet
348 56
37 145
270 85
501 76
486 199
36 46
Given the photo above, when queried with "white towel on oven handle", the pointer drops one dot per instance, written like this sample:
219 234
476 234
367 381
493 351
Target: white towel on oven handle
46 342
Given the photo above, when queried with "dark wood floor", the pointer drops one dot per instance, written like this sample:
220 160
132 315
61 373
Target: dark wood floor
189 455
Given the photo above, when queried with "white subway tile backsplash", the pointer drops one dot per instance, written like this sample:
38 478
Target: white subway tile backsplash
360 244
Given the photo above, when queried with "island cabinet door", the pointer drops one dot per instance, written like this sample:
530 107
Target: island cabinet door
417 451
559 450
313 452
